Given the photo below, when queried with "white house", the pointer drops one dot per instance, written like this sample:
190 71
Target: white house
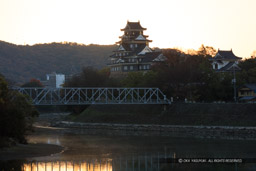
55 80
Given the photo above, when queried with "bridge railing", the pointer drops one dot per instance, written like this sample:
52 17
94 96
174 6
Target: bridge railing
83 96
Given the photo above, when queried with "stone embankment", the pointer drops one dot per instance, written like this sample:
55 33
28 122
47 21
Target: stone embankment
222 132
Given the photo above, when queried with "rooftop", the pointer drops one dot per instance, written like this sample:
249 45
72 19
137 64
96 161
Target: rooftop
231 66
226 54
251 86
133 25
149 57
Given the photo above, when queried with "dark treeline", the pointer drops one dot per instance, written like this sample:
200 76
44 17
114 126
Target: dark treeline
16 115
21 63
182 76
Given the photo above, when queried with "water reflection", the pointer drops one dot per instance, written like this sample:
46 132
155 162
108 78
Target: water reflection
142 163
101 165
55 141
131 163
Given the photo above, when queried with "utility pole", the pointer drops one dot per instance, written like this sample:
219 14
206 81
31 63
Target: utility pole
234 83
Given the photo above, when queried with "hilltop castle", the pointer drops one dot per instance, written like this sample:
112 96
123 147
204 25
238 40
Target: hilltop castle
133 53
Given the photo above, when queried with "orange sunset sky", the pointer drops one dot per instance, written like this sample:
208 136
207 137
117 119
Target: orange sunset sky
186 24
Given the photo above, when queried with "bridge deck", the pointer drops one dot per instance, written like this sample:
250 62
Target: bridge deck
85 96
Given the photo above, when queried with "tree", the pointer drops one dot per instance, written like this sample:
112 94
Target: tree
33 83
206 51
133 79
16 114
191 76
181 74
248 73
254 54
89 77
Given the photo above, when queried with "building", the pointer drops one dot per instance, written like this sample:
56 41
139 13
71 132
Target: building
133 53
247 92
225 61
54 80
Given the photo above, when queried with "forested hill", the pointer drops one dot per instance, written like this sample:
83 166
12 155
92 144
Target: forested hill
21 63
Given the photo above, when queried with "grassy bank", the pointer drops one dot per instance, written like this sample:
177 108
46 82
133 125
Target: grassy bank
175 114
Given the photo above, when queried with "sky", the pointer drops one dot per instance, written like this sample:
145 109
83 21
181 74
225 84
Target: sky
185 24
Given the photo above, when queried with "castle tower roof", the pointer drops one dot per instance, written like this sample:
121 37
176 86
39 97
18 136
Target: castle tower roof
226 54
133 26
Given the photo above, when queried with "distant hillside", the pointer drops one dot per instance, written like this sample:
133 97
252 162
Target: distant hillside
21 63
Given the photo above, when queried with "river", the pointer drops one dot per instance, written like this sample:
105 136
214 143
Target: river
86 151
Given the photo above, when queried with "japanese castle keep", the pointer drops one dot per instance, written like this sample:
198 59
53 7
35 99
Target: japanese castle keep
133 53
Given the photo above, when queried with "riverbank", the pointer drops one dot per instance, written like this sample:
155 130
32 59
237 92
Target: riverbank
209 114
201 120
22 151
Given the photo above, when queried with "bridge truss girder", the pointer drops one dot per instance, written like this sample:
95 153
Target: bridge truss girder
89 96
